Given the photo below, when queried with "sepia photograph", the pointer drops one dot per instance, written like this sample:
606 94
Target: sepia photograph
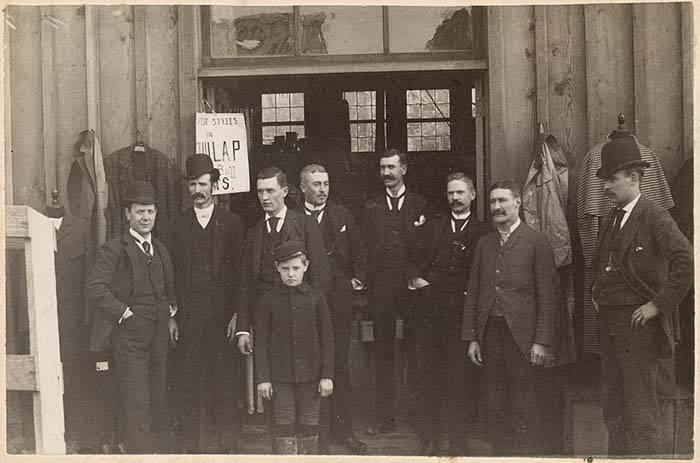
389 229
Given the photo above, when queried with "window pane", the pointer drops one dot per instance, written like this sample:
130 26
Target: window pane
283 114
413 129
428 129
443 129
268 100
428 110
297 114
429 144
352 112
351 98
413 96
268 115
244 31
364 112
299 129
443 143
282 100
444 110
426 29
297 99
353 145
341 30
414 144
413 111
442 96
268 135
364 98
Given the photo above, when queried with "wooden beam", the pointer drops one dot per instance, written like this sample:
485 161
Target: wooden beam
688 69
7 114
20 373
16 222
48 89
92 64
496 157
479 145
140 66
542 68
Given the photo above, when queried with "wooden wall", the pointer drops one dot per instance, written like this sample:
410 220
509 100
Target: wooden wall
109 68
589 63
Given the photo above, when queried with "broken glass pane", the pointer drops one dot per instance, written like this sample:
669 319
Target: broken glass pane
426 29
341 30
244 31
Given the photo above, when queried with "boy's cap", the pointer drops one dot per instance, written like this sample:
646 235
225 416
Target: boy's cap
288 250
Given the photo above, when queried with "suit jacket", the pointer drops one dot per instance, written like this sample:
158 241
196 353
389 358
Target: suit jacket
348 252
294 336
296 227
656 261
430 240
228 237
523 275
110 287
414 207
74 258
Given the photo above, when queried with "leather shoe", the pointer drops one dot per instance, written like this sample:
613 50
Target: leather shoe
382 427
353 444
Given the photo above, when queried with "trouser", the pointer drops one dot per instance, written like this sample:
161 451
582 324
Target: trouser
206 366
140 349
512 402
388 300
629 361
441 361
295 403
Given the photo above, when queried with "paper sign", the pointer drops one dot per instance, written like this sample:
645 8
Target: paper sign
223 137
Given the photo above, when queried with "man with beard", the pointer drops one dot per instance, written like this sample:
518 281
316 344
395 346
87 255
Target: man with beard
509 317
443 260
207 248
391 223
131 289
347 256
260 273
642 269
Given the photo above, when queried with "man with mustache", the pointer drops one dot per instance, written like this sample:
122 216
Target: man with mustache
131 290
509 321
391 223
347 256
642 269
278 225
207 249
443 260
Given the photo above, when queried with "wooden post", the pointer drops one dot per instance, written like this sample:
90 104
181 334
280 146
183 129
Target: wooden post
6 116
48 89
481 175
92 64
542 67
41 370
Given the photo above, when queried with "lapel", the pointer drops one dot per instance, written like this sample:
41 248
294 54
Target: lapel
218 237
288 225
187 236
132 250
407 213
514 238
624 239
257 245
65 228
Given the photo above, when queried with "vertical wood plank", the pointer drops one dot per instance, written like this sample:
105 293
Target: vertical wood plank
479 142
188 90
7 114
71 90
92 61
162 78
688 92
566 77
609 68
658 82
542 67
117 76
140 68
496 155
48 93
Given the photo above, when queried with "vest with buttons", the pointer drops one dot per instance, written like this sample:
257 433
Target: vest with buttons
148 298
268 272
201 277
611 287
449 270
395 255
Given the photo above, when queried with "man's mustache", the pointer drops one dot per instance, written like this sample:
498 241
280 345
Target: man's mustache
456 202
387 177
198 195
498 212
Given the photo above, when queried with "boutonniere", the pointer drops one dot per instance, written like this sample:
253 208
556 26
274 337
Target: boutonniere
342 230
420 221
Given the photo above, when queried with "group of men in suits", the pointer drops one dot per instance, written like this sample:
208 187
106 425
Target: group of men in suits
485 294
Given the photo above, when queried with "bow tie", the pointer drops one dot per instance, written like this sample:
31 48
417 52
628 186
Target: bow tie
315 212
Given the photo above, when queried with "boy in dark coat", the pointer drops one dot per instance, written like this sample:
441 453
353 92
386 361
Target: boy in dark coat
295 351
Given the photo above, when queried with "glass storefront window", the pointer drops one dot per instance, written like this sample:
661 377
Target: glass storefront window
246 31
341 30
415 29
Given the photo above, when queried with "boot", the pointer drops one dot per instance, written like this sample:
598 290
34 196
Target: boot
286 446
308 445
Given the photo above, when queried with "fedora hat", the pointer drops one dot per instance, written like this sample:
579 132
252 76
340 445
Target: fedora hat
198 165
140 192
620 153
288 250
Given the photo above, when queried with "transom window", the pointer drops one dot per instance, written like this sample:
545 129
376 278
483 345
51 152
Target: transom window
428 120
281 113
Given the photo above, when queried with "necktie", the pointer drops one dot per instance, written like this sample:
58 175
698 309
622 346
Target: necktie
504 237
394 203
315 213
458 223
619 215
147 250
273 221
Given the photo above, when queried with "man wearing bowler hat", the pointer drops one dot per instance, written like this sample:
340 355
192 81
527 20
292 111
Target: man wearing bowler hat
207 246
642 269
131 290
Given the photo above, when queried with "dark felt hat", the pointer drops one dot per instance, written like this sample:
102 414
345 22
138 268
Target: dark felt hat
198 165
288 250
140 192
620 153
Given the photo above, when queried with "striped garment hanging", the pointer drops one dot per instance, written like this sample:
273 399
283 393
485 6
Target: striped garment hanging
593 206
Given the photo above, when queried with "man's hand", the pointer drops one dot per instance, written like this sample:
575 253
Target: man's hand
643 314
265 390
419 283
244 344
174 334
231 329
357 285
538 354
474 353
325 387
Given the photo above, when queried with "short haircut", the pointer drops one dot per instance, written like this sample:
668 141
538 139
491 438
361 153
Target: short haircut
639 170
460 176
302 255
311 169
276 172
394 152
506 185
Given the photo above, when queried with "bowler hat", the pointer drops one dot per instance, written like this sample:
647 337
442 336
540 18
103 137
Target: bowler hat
140 192
198 165
288 250
620 153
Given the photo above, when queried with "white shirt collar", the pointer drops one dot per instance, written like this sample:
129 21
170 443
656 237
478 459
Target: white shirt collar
204 214
462 216
459 217
141 239
401 191
512 227
313 207
282 214
400 195
628 209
